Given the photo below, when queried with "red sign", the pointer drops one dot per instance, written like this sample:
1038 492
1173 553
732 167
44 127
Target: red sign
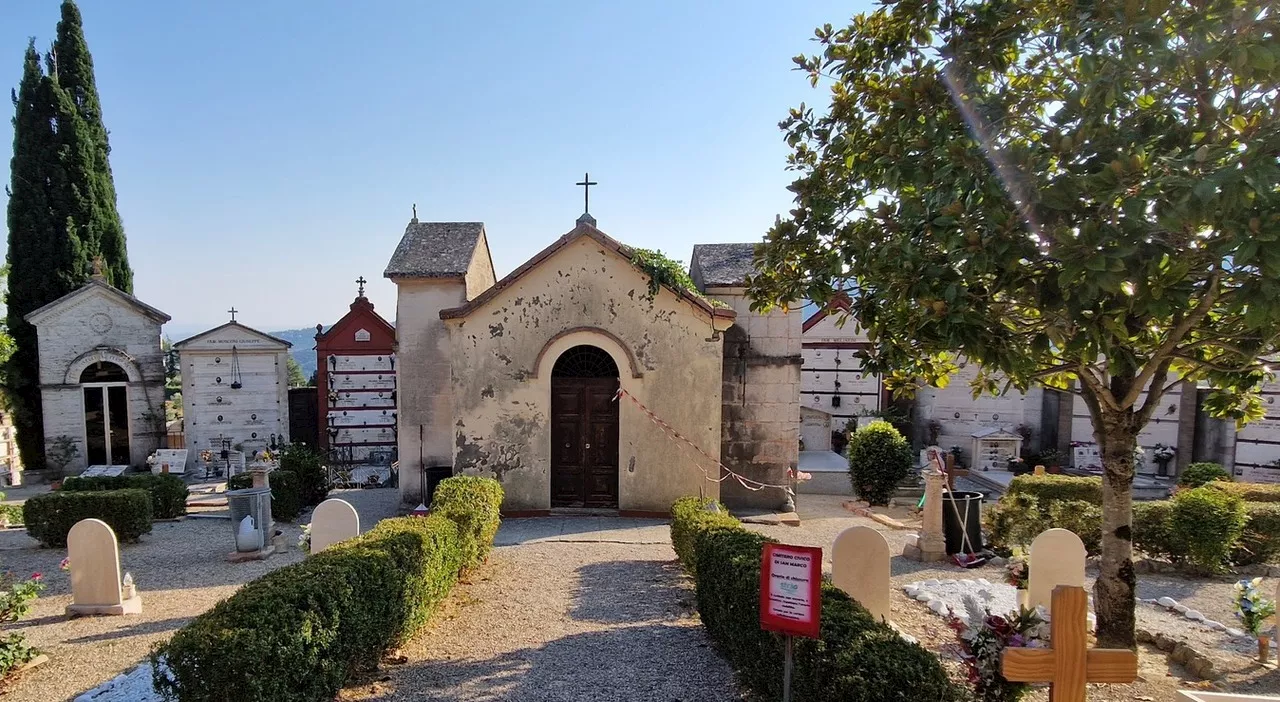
791 589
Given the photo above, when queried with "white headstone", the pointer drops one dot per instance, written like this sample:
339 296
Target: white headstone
334 520
1057 558
860 567
169 461
94 560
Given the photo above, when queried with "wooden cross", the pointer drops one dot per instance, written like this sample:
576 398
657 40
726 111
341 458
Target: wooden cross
361 281
232 311
1070 663
586 191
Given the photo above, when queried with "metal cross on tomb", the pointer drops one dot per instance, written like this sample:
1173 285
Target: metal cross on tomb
360 282
586 184
232 312
1070 663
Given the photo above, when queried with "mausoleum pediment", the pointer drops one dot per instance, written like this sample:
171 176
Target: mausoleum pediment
95 290
232 334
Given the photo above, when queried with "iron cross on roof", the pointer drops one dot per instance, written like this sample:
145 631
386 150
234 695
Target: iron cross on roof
360 282
232 312
586 184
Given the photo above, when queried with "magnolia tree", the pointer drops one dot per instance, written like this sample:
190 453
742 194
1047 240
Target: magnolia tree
1079 195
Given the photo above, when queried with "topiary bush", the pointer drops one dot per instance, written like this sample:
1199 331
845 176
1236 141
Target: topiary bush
475 504
1198 474
295 634
1013 522
879 459
1249 492
168 492
1151 531
1205 525
857 659
1054 488
1080 517
286 496
49 517
691 516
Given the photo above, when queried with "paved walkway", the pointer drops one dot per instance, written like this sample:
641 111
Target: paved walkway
571 609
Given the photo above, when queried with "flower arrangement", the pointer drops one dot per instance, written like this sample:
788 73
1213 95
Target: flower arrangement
304 539
1253 610
65 564
1018 573
983 637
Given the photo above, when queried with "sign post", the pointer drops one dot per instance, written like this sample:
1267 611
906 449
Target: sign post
790 597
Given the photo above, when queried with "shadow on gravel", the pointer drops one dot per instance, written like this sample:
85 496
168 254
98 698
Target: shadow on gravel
631 592
155 627
646 663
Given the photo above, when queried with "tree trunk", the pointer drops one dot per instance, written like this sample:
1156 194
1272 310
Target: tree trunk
1115 589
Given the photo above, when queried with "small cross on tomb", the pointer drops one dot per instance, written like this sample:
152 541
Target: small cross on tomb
1070 663
360 282
232 312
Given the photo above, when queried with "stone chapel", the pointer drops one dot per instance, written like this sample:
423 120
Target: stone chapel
101 375
577 387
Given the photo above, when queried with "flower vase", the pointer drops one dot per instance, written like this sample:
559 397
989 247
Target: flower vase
1023 598
1264 649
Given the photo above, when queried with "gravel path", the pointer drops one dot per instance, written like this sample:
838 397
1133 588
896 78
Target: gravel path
180 569
571 610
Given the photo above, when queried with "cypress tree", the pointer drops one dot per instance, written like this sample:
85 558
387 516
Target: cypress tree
86 149
46 258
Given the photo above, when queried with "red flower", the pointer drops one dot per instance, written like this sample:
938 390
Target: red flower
37 576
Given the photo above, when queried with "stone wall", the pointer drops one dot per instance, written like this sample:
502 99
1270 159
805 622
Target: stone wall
760 390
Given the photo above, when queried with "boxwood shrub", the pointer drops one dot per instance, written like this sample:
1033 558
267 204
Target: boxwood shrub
1053 488
307 462
297 633
1198 474
168 492
857 659
689 517
50 516
1260 542
474 503
879 459
286 496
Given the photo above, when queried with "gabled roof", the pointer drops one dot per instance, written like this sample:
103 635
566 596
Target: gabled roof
237 325
365 309
721 265
435 250
839 302
40 313
608 242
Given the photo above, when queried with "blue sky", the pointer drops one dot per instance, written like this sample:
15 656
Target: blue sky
267 153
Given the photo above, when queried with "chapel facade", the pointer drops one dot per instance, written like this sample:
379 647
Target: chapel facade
101 375
575 383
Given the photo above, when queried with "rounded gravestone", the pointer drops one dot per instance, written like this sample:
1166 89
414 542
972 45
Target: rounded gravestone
1057 558
860 567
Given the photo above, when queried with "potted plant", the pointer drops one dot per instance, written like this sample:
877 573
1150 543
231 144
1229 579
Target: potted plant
1163 455
1018 574
935 430
1253 610
1051 459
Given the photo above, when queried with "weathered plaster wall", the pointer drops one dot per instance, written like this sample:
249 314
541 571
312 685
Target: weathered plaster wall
480 275
67 336
760 392
503 353
423 403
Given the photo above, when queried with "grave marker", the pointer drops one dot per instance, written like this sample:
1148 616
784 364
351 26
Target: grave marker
1057 558
333 521
94 560
1070 663
860 567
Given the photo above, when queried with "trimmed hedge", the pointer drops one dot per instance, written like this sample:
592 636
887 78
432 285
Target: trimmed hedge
297 633
286 496
1054 488
879 459
1261 540
1249 492
1198 474
308 464
49 517
857 659
691 516
168 492
474 503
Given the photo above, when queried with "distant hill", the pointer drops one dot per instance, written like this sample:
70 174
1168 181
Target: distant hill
304 347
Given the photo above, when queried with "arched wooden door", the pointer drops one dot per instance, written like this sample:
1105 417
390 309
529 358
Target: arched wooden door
584 429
